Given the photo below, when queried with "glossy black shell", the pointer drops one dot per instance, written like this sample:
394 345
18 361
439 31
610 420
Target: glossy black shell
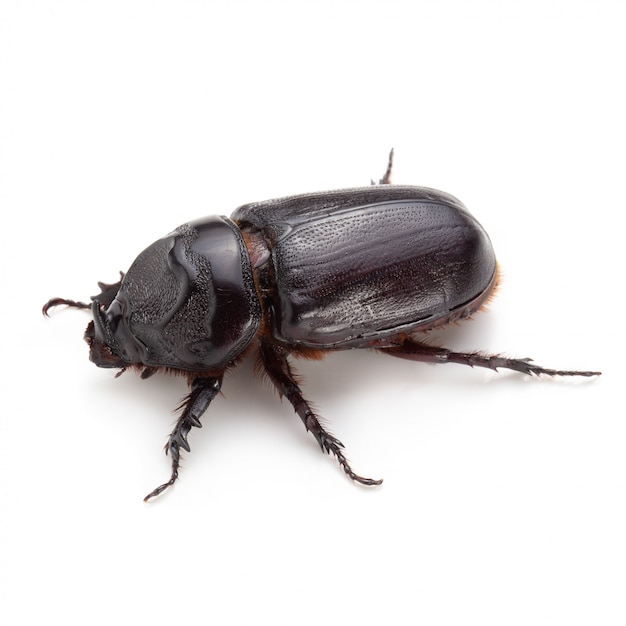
340 269
353 267
187 302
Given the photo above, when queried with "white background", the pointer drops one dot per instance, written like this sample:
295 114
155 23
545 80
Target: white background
503 500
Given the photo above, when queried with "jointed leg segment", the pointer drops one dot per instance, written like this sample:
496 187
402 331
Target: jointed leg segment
386 179
274 359
417 351
203 390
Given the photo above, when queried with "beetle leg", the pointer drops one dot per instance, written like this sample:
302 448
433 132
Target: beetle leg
386 179
203 390
274 359
416 351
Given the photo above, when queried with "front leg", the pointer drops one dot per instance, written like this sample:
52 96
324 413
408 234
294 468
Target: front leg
203 390
274 360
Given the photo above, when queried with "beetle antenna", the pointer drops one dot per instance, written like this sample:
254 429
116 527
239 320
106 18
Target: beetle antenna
59 301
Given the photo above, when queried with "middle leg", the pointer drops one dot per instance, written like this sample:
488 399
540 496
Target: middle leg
274 359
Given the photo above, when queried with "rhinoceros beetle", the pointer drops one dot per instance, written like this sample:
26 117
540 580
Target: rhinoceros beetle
370 267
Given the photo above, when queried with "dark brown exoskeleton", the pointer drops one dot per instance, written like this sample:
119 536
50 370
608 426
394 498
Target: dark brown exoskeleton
370 267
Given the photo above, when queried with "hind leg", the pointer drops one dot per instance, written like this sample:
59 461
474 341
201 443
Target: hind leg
416 351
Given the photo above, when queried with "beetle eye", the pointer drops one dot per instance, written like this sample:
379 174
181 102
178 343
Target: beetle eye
112 344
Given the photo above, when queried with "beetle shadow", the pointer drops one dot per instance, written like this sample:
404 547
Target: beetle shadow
345 375
350 372
343 379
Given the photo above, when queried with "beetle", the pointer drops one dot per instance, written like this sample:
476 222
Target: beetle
369 267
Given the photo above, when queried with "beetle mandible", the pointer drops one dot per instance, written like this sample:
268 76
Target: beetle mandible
369 267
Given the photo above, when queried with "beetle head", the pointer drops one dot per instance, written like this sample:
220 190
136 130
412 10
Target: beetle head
111 344
188 302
